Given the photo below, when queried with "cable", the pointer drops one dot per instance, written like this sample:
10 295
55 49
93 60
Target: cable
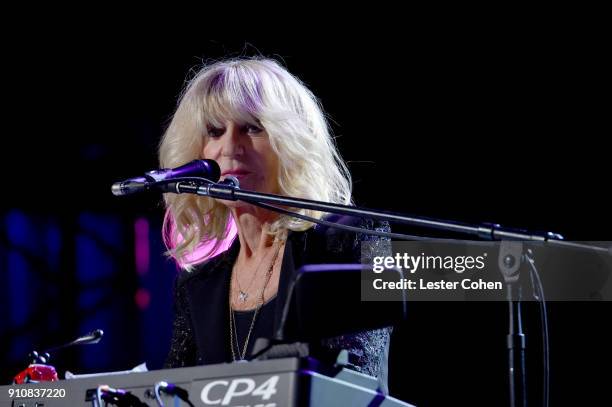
340 226
539 295
172 390
117 397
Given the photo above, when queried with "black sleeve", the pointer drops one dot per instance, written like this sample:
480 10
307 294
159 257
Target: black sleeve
368 350
182 346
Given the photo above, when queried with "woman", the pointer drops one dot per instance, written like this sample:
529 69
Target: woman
264 127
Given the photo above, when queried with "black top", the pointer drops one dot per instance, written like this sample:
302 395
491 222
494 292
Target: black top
263 327
201 325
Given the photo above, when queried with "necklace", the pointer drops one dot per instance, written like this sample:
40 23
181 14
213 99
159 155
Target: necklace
232 319
243 295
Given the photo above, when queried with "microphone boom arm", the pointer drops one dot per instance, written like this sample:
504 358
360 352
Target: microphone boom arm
485 231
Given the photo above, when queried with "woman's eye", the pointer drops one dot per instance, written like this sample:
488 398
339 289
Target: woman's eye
215 132
251 129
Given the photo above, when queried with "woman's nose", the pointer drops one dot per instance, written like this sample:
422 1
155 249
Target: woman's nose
232 142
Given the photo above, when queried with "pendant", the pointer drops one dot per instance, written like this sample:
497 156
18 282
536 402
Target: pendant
242 296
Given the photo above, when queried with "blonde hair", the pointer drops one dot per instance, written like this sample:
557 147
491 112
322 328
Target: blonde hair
257 91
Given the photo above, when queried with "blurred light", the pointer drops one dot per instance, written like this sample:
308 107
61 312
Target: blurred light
18 229
141 245
18 292
54 245
142 298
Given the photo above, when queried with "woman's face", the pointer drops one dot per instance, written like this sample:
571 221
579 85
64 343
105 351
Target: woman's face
243 151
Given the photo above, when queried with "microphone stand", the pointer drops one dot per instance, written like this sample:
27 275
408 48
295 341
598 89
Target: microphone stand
511 256
510 259
486 231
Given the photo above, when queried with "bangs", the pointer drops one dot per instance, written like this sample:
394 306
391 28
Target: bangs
232 94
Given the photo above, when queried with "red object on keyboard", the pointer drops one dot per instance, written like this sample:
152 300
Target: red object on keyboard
36 373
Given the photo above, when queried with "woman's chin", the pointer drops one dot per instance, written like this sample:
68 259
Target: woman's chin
232 204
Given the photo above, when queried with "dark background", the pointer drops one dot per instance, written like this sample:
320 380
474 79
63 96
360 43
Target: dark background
513 132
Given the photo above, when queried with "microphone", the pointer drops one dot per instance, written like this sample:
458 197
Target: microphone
89 339
47 372
208 169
